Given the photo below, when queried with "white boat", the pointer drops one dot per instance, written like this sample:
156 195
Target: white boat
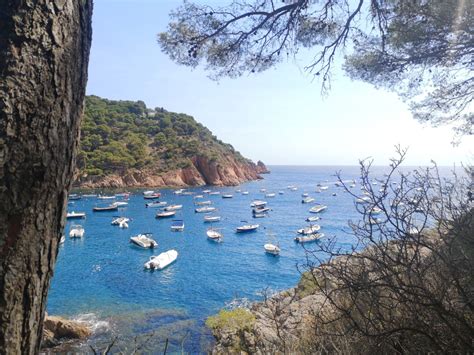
76 231
144 241
123 194
307 200
375 210
62 240
177 225
294 188
214 235
363 199
214 193
259 215
152 196
272 249
212 218
156 204
352 186
258 203
245 192
312 219
260 210
305 194
149 192
322 188
317 208
198 196
247 228
309 230
122 222
102 197
334 194
206 191
161 261
270 195
173 207
178 192
263 190
203 203
75 215
120 203
165 214
309 238
227 196
205 209
89 195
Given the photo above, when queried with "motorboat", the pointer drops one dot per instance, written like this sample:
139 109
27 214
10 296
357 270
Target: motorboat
152 196
156 204
245 192
281 192
205 209
203 203
74 197
309 230
161 261
111 207
317 208
322 188
247 228
270 194
363 199
215 193
334 194
165 214
148 192
305 194
89 195
375 210
258 203
263 190
75 215
173 207
106 197
307 200
198 196
120 203
212 218
122 222
272 249
227 196
177 225
294 189
312 219
206 191
76 231
123 194
144 241
259 215
214 234
178 192
260 210
309 238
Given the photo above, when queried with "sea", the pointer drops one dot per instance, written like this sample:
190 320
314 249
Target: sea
100 279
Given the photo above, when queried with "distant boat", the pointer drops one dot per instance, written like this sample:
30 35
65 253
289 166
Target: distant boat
317 208
212 218
104 197
245 192
258 203
309 238
152 196
206 191
144 241
149 192
161 261
281 192
73 197
165 214
89 195
334 194
177 225
123 194
375 210
263 190
178 192
227 196
362 200
312 219
259 215
111 207
272 247
318 191
322 188
122 222
270 195
305 194
120 203
294 188
205 209
76 231
262 209
202 203
62 240
214 235
214 193
75 215
198 196
307 200
247 228
156 204
309 230
173 207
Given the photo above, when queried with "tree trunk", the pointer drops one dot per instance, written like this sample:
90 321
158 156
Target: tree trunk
44 53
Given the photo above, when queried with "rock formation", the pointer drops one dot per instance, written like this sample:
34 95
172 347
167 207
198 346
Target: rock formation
56 329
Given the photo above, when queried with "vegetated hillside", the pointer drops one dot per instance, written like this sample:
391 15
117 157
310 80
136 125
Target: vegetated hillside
124 143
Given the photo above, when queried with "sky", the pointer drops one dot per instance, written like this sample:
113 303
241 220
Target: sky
278 116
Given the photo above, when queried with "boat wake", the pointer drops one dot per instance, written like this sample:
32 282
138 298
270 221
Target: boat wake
94 323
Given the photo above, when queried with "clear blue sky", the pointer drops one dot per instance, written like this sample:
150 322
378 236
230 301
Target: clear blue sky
278 116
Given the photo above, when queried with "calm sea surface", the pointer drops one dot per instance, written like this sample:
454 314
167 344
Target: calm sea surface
101 279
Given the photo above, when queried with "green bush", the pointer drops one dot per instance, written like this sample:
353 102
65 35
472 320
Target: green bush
238 319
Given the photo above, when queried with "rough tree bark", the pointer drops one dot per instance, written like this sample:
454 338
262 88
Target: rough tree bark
44 52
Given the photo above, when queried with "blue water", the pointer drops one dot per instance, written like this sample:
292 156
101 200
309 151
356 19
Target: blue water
103 273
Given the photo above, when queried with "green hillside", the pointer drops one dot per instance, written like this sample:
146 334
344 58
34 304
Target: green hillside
121 135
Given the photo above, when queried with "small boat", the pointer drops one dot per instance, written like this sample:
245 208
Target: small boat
227 196
334 194
263 190
89 195
374 221
352 186
322 188
258 203
123 194
317 208
205 209
104 197
294 189
259 215
214 193
214 235
312 219
152 196
206 191
362 200
247 228
198 196
203 203
272 249
177 225
161 261
144 241
305 194
375 210
212 218
260 210
75 215
165 214
281 192
149 192
245 192
173 207
309 230
307 200
156 204
309 238
120 203
289 187
76 231
111 207
62 240
122 222
270 195
178 192
187 193
74 197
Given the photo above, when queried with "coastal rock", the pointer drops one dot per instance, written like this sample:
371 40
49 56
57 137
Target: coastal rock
57 328
262 168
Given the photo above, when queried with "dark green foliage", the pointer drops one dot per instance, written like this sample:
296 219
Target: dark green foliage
122 135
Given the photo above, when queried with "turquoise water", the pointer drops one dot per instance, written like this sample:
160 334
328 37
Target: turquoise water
102 274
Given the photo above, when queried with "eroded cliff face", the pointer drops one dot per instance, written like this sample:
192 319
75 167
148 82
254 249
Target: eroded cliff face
226 172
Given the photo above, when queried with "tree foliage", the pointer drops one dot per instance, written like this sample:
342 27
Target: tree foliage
423 49
122 135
